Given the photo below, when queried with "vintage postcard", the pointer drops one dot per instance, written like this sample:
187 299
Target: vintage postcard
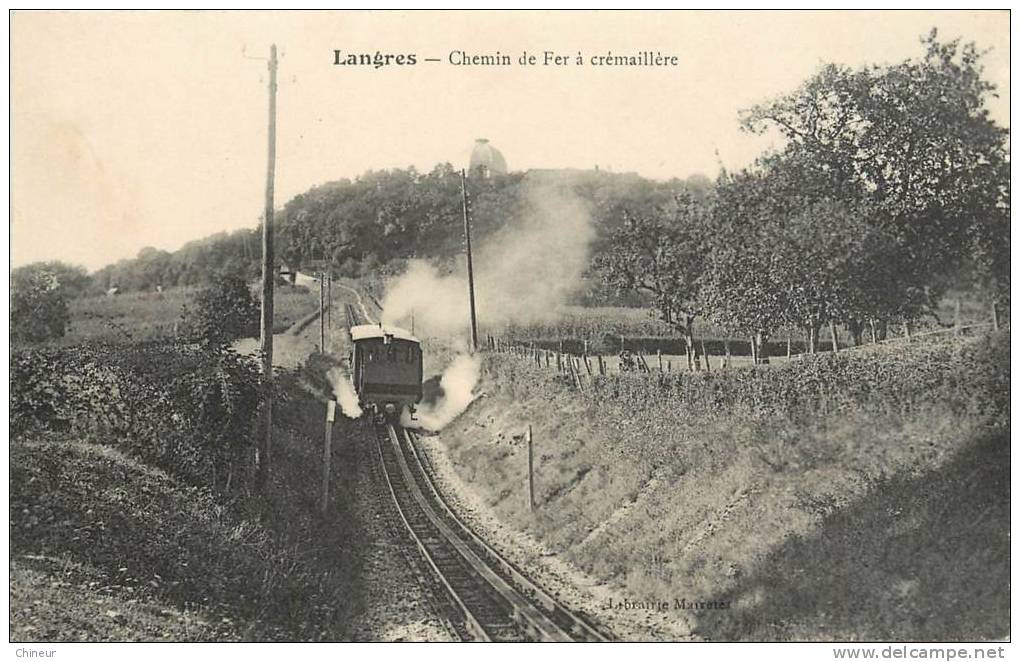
511 326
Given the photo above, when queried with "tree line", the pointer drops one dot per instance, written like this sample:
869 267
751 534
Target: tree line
892 186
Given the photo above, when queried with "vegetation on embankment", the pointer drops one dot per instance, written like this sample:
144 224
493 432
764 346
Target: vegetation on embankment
134 513
854 496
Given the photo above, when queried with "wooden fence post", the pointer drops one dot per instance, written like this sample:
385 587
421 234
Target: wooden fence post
726 350
835 338
995 316
789 344
906 331
957 318
576 367
658 355
704 352
531 472
602 366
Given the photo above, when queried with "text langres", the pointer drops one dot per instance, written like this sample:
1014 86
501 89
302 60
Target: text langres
375 60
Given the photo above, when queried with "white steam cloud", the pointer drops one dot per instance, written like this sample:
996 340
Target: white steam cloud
458 386
523 274
344 392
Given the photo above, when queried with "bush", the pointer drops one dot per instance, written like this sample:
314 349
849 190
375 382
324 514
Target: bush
187 409
38 307
226 311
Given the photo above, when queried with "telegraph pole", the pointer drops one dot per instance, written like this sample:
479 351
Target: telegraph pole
266 320
322 313
470 270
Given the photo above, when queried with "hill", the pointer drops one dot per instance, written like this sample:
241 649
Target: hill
374 222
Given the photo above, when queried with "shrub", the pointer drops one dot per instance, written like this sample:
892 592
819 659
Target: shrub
226 311
38 307
187 409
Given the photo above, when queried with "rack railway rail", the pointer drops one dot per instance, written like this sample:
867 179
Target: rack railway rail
495 601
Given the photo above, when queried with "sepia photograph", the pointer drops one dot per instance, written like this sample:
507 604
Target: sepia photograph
663 326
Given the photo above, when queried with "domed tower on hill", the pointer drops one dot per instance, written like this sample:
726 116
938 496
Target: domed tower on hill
486 160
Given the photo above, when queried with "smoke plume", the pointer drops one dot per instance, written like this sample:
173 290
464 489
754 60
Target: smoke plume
344 392
523 274
457 387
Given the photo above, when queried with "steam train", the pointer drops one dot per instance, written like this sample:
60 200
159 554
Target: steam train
386 368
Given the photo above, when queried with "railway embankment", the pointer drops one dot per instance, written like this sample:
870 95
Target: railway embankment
135 515
857 496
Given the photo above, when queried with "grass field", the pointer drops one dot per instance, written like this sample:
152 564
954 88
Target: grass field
881 513
140 316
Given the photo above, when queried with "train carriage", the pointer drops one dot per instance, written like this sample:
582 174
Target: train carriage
386 369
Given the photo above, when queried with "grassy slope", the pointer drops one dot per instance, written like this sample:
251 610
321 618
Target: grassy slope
861 525
105 548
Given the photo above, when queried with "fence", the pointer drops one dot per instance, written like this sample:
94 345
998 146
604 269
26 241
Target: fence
581 369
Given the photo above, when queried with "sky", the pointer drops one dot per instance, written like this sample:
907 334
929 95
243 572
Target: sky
134 129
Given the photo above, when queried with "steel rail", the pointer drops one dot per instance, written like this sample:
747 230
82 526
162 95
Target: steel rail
574 625
517 607
470 622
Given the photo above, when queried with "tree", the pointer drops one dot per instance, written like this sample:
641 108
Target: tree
913 141
38 306
741 289
226 311
662 254
72 280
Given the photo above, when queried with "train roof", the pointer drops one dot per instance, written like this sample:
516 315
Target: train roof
366 331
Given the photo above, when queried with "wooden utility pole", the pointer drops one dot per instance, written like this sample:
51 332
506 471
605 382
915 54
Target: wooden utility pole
322 313
470 269
266 320
327 453
329 300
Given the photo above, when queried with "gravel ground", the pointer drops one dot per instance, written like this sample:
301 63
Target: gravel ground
398 602
573 587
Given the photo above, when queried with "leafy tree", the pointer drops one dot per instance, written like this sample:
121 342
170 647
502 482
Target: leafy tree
663 255
38 305
914 141
226 311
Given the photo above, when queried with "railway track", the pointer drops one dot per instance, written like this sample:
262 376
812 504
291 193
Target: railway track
493 598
